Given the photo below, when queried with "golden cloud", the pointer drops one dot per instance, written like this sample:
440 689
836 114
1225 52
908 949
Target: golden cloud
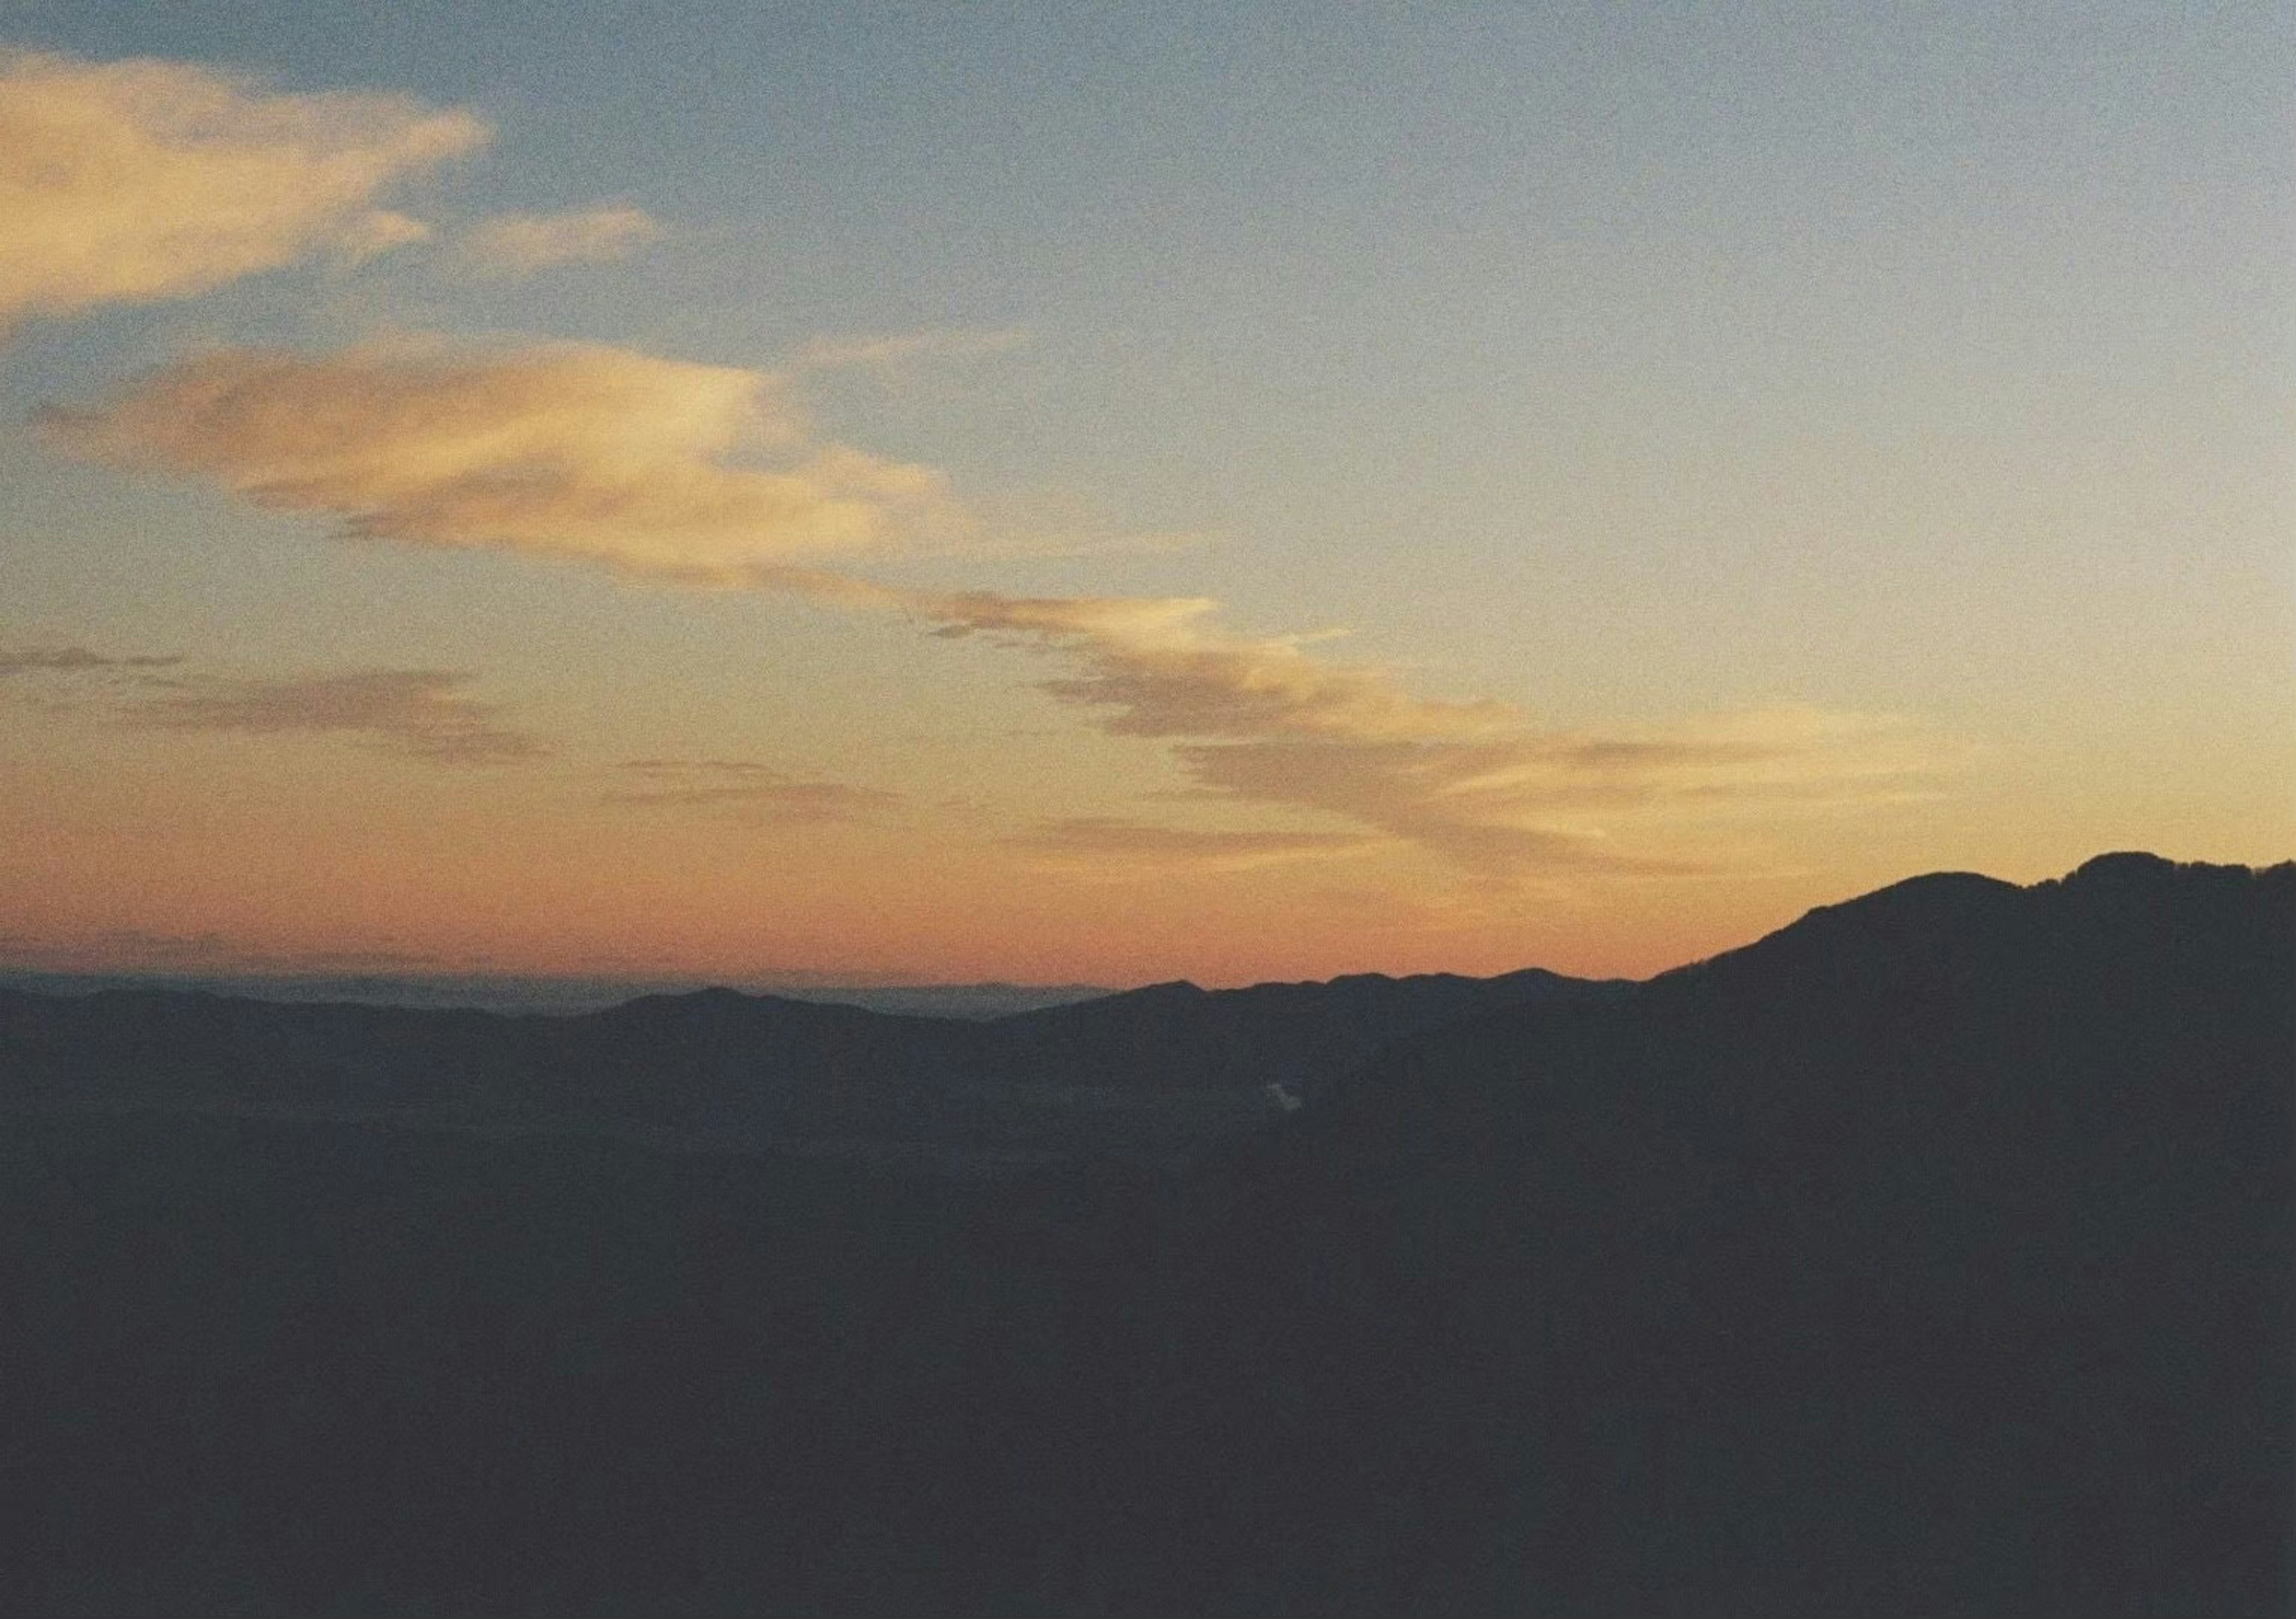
1263 721
516 245
603 455
624 460
1153 662
127 182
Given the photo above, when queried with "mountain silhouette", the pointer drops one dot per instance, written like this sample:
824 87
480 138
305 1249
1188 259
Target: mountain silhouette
1163 1070
559 993
1931 1255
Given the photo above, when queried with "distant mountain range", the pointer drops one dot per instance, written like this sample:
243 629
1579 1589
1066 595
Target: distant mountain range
1169 1069
513 993
1935 1254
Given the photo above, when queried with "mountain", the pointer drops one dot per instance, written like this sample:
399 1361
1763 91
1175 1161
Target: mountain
559 993
1931 1255
979 1001
1163 1070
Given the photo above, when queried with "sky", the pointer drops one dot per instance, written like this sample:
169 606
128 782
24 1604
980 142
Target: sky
1107 493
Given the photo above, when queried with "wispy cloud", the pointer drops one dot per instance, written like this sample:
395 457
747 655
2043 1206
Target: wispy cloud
513 246
423 713
129 182
888 353
1130 849
66 679
623 460
126 949
751 790
604 454
1161 671
77 661
1264 720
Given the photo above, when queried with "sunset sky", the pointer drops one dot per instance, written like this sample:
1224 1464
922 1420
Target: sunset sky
1088 493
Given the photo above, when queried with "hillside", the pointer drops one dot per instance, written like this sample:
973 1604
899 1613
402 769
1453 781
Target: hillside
1930 1256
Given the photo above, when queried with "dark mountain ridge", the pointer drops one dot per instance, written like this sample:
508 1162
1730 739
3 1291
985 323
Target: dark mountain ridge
729 1070
1932 1255
558 993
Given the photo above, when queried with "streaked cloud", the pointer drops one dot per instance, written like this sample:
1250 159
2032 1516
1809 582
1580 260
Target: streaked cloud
1153 662
77 661
1128 849
750 790
136 951
889 352
1265 720
379 233
605 454
422 713
626 460
425 714
129 182
67 680
118 949
513 246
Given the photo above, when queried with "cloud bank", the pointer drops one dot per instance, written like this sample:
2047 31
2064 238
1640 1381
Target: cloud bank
130 181
626 460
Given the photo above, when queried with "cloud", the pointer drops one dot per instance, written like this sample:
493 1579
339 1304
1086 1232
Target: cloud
75 660
124 949
888 353
623 459
1265 722
137 951
129 182
755 791
423 713
418 711
568 450
1152 661
62 680
513 246
379 233
1136 848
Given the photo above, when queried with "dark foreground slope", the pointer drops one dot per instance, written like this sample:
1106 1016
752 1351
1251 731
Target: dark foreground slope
272 1369
1932 1257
